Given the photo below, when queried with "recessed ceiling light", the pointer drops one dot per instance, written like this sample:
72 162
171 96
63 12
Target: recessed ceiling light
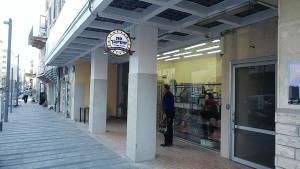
189 56
172 59
174 51
209 48
164 57
195 46
180 54
216 51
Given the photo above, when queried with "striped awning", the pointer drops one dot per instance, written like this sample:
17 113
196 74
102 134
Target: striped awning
49 75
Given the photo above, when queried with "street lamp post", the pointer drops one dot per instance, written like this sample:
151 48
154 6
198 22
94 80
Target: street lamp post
11 89
17 85
9 23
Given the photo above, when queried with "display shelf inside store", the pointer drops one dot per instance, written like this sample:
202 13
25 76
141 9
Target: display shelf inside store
189 104
193 123
199 141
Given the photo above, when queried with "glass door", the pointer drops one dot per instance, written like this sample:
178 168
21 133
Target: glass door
253 117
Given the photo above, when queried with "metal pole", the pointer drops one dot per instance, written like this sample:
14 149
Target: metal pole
58 89
8 70
17 85
11 89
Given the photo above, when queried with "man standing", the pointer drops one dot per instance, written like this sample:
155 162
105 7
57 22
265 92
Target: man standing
169 113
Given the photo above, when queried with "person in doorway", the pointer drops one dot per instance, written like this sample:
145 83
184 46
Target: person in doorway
25 95
209 115
169 113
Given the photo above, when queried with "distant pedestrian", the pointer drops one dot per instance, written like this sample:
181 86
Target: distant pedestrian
169 113
25 95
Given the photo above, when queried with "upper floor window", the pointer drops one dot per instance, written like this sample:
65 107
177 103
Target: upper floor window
49 16
54 8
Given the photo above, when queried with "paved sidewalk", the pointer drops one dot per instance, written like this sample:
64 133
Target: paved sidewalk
35 137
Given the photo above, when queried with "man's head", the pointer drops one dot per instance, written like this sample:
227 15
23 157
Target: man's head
166 87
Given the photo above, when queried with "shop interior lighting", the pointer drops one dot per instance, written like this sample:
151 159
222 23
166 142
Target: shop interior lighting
164 57
194 55
216 51
215 41
180 54
172 59
171 52
209 48
195 46
158 55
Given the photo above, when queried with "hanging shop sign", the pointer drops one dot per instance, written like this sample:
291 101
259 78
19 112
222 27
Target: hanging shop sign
118 43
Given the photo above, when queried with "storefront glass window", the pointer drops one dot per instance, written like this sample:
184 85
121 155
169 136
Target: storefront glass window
198 113
194 74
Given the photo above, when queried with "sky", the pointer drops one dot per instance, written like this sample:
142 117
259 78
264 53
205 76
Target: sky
25 14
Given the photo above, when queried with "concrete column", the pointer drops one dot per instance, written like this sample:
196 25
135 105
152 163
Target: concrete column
77 100
119 90
50 94
72 93
98 92
142 91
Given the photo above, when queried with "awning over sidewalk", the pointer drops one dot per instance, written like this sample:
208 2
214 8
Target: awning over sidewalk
48 76
180 22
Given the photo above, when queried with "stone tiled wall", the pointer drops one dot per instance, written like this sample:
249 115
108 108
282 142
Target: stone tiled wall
287 139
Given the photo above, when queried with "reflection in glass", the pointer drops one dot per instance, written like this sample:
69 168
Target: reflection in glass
255 97
255 147
195 120
255 111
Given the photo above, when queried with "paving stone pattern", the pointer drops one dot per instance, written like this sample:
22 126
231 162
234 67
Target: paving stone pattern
36 137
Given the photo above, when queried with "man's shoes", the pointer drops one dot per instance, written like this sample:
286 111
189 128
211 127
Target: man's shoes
164 145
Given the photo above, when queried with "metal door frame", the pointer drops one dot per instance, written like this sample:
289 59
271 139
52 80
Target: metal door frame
234 66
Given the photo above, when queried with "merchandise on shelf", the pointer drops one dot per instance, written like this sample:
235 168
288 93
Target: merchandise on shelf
194 121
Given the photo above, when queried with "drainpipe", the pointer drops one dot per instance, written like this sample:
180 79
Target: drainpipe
267 4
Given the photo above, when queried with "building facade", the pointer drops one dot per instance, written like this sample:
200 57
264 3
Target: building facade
13 71
245 53
46 82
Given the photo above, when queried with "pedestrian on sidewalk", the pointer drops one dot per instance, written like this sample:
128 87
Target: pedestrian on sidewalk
169 113
25 95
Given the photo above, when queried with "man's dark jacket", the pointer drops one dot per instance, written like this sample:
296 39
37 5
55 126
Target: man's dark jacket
168 104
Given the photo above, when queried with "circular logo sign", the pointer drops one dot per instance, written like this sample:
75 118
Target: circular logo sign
118 42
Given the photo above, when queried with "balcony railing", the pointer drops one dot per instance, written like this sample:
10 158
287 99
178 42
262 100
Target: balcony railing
38 38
